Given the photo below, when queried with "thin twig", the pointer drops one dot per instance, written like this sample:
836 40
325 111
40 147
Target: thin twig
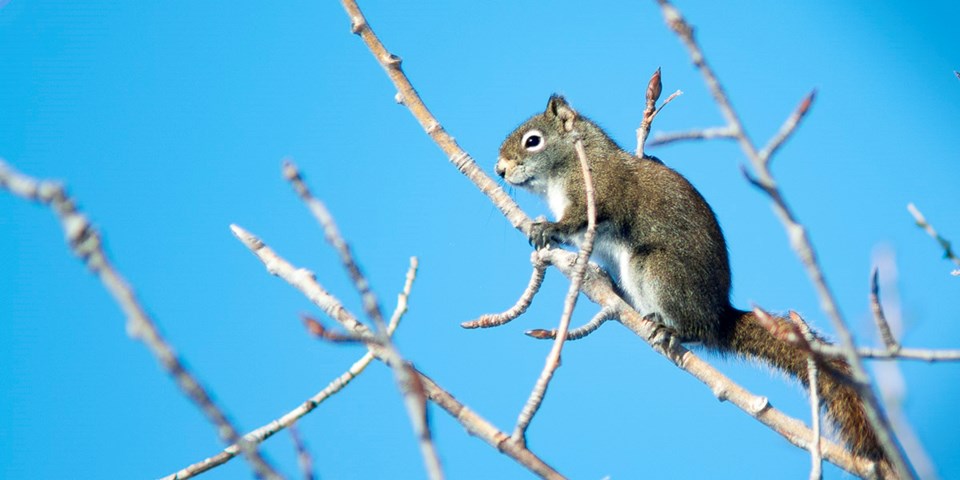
370 304
878 316
910 354
921 354
654 88
413 394
316 328
798 239
787 129
497 319
576 334
306 283
704 134
404 296
890 379
650 111
943 242
268 430
576 280
816 456
85 242
303 456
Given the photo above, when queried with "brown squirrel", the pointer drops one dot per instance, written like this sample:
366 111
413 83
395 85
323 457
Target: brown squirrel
660 240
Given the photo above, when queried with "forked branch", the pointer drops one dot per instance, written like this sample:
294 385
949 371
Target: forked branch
760 161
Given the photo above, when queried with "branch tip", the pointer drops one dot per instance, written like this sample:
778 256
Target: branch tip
654 87
541 334
806 103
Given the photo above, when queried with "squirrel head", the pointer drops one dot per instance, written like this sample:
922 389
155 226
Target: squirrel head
541 148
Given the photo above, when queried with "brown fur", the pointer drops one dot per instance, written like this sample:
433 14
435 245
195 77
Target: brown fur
745 337
661 241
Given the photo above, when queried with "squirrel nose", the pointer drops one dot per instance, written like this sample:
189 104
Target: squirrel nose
500 168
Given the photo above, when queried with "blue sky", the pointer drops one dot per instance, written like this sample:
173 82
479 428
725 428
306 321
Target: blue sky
169 120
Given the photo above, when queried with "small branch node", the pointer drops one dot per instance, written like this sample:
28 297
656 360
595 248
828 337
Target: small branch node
357 25
392 61
720 392
759 404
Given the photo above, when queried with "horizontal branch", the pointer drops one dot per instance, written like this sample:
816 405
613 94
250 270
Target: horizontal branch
703 134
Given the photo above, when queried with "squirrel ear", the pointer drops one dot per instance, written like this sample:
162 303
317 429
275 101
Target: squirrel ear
559 110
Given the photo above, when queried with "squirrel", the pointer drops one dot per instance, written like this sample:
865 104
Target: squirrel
660 240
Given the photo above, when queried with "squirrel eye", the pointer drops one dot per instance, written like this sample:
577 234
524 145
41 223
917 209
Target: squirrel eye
532 141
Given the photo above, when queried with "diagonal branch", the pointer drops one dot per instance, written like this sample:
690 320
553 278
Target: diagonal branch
409 97
497 319
85 242
796 233
288 419
598 288
943 242
576 280
410 387
306 283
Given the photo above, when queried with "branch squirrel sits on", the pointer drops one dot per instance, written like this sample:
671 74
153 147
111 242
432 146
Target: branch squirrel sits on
660 240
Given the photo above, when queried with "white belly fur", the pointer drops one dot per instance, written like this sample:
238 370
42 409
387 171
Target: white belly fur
557 199
615 256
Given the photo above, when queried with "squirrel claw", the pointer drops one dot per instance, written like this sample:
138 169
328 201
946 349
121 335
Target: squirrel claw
542 233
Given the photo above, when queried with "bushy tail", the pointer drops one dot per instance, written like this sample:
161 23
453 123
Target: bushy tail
748 338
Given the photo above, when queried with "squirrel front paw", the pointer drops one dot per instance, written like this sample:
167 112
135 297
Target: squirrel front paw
543 233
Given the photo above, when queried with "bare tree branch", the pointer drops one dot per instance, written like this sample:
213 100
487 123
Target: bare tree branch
303 456
576 334
85 242
413 395
569 304
890 380
704 134
883 327
816 456
268 430
787 129
497 319
306 283
598 288
654 87
944 243
796 233
408 96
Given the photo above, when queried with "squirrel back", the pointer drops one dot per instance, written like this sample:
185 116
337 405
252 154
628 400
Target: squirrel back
660 240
